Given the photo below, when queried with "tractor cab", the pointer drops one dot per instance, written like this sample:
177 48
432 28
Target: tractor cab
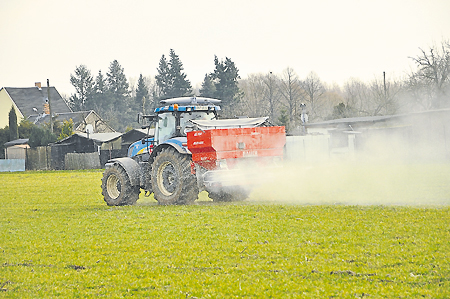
172 122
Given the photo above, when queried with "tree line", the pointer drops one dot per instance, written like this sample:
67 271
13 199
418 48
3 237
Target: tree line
283 97
118 102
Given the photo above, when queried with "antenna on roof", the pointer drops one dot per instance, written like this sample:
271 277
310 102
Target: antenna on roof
89 130
49 105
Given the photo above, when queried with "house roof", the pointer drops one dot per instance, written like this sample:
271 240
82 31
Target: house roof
351 120
374 119
97 137
16 142
78 118
101 137
27 98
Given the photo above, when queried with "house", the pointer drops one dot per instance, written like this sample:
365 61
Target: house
29 101
32 103
80 119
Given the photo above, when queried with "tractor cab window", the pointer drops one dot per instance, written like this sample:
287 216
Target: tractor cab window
186 117
166 127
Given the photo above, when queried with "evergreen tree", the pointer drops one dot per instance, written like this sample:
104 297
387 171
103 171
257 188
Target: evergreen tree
283 119
119 109
163 79
84 84
171 80
208 89
41 136
141 94
13 128
25 127
180 85
117 84
100 96
225 78
4 137
342 111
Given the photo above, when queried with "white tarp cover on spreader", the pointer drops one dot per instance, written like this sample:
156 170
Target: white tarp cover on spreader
229 123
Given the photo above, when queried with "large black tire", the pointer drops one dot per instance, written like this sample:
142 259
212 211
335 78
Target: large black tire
228 196
172 180
117 189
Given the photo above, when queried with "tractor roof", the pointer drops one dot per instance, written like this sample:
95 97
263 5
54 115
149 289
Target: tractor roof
189 104
191 101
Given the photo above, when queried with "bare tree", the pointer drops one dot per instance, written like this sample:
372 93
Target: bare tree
356 94
332 97
254 103
272 95
383 98
314 90
292 94
432 76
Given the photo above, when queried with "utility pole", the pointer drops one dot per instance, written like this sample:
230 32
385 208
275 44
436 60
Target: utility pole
49 106
385 93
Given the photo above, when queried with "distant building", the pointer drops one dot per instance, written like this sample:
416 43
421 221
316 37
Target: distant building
421 134
32 103
16 149
29 101
105 145
80 120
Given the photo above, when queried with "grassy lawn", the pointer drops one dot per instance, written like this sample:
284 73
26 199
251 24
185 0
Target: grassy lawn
59 239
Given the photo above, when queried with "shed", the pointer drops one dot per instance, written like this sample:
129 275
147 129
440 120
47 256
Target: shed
107 145
423 134
16 149
88 143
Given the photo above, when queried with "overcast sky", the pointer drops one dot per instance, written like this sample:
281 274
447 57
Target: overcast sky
337 39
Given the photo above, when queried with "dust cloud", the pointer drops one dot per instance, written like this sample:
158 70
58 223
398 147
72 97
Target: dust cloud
381 168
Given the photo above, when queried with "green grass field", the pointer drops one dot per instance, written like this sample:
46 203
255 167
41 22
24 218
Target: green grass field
59 239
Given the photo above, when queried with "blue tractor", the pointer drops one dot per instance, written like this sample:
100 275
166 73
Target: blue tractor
191 150
162 161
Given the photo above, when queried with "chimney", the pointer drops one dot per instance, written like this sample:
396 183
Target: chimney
46 108
38 85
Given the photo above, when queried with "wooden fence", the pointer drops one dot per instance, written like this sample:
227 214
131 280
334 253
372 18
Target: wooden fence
63 157
82 161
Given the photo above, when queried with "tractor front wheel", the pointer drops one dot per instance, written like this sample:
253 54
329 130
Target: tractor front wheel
117 189
171 178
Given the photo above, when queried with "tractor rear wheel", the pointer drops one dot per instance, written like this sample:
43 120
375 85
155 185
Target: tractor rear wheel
171 178
117 189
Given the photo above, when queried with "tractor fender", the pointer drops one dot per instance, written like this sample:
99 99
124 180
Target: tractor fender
174 145
131 167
